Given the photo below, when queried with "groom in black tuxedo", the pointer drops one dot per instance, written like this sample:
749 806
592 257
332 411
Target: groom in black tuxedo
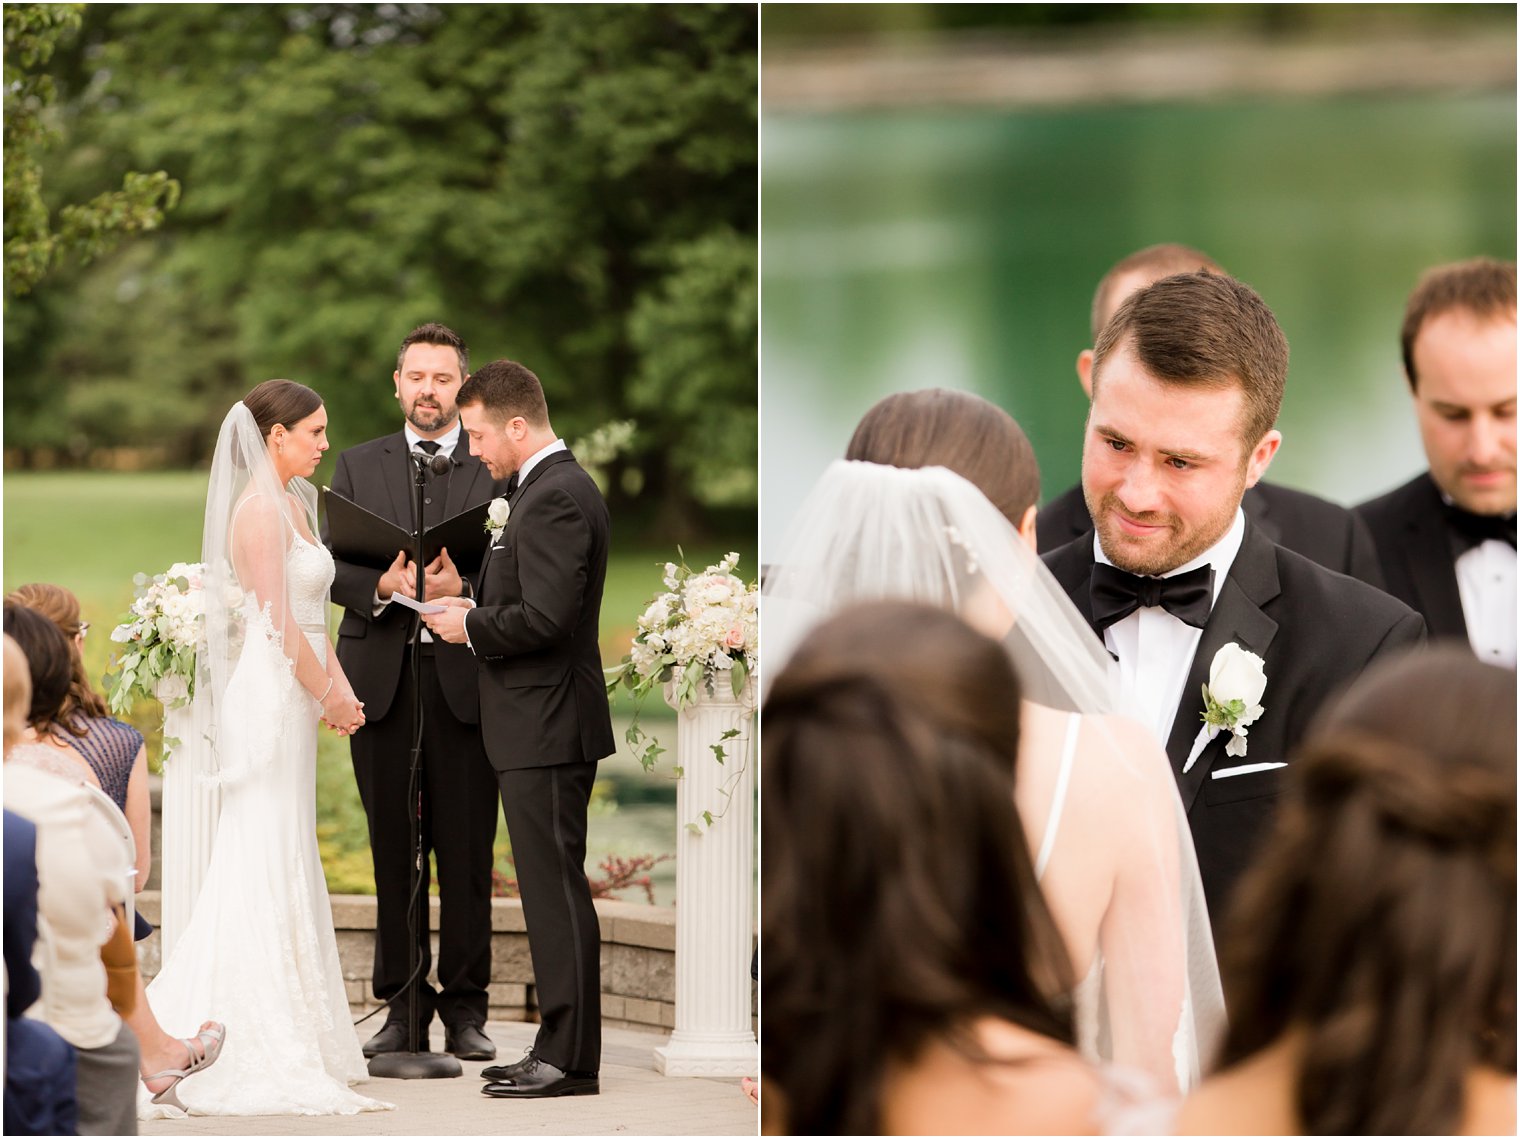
1447 537
1321 531
1187 381
543 706
374 639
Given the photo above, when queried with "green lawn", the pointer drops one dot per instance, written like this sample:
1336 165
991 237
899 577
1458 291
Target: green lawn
92 531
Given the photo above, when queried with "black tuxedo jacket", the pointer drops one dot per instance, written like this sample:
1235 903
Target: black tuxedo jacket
378 476
1414 547
1314 630
1321 531
543 700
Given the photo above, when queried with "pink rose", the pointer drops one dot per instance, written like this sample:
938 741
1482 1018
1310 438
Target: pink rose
735 638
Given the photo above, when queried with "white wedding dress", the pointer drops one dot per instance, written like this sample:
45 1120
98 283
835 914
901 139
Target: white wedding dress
259 953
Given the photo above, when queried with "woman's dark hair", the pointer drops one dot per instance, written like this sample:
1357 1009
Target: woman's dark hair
60 606
1379 921
47 656
899 903
959 431
280 401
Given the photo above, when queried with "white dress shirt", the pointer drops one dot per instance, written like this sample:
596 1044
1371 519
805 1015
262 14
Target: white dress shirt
1155 650
1486 584
446 445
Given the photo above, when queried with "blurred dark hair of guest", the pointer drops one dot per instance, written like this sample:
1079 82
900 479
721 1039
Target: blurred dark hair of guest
900 912
1369 960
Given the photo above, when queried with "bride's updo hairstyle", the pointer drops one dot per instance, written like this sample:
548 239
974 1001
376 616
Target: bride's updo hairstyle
899 903
962 432
1379 921
280 401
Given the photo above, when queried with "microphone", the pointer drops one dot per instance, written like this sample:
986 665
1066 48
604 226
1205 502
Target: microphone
439 464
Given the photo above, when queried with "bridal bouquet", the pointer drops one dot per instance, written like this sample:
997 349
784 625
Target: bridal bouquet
162 632
704 630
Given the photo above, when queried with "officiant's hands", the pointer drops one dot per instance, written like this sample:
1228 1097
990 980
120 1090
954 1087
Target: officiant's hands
394 579
342 710
440 578
449 625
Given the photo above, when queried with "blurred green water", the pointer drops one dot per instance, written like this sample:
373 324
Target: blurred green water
960 248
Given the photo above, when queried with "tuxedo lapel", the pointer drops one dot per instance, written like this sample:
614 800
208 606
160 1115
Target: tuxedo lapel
1237 617
537 472
395 469
1427 548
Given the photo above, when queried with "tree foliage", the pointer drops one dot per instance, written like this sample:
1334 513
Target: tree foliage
570 186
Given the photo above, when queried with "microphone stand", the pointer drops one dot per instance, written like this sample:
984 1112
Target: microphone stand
417 1063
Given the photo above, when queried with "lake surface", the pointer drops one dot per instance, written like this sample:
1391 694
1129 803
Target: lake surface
960 248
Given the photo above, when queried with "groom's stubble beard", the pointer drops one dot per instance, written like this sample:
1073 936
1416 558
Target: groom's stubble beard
1184 542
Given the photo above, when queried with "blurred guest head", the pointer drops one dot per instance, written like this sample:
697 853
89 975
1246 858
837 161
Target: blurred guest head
899 901
1378 925
962 432
61 607
1139 269
18 692
1458 342
1187 381
48 662
431 365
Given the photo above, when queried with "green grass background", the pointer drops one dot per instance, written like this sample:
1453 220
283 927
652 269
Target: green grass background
92 531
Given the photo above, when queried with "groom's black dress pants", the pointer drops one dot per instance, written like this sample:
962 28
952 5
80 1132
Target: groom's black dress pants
458 827
545 809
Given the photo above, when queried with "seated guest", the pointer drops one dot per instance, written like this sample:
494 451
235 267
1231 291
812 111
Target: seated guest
77 889
91 748
1370 959
1446 538
1306 524
914 979
39 1064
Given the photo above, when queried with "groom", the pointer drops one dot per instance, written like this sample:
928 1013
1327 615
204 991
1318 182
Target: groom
543 707
1187 381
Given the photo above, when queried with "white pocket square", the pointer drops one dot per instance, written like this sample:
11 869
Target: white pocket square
1226 772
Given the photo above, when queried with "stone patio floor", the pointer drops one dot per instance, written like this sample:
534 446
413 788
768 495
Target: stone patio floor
635 1100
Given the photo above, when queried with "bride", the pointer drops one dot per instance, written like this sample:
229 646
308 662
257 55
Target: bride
935 503
259 948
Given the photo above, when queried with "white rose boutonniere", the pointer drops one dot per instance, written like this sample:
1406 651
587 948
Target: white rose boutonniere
1232 697
496 518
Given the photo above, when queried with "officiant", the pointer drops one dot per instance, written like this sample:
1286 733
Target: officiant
459 787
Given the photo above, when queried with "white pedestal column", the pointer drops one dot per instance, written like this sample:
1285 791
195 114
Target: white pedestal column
715 894
190 813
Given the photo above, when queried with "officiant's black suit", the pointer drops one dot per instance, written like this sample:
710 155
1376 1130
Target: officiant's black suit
545 719
1314 629
459 815
1306 524
1414 544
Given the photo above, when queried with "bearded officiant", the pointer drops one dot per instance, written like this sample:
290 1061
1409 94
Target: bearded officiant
458 820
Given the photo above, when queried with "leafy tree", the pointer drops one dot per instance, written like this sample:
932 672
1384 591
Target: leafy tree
32 245
571 186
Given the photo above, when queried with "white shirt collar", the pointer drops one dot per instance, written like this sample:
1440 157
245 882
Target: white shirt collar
1221 555
446 443
537 457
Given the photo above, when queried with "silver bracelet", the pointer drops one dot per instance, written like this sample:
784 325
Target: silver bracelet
326 690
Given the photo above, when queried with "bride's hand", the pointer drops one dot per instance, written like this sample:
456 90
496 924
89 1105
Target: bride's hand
342 710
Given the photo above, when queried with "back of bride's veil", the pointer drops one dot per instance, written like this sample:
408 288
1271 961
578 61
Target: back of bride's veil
869 531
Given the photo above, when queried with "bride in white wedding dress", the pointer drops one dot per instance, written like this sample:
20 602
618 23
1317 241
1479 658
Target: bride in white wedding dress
259 948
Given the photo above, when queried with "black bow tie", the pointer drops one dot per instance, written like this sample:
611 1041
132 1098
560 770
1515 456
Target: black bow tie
1474 529
1116 594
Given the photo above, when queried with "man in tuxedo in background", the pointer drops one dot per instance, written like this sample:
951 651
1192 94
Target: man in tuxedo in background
1187 383
544 712
374 646
1447 537
1321 531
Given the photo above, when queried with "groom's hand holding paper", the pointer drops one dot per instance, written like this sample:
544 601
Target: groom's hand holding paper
446 621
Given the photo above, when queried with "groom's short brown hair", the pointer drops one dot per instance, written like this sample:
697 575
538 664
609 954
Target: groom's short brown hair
1204 330
506 390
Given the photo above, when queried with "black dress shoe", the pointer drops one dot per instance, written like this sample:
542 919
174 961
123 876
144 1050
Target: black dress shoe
391 1038
507 1071
468 1042
539 1080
